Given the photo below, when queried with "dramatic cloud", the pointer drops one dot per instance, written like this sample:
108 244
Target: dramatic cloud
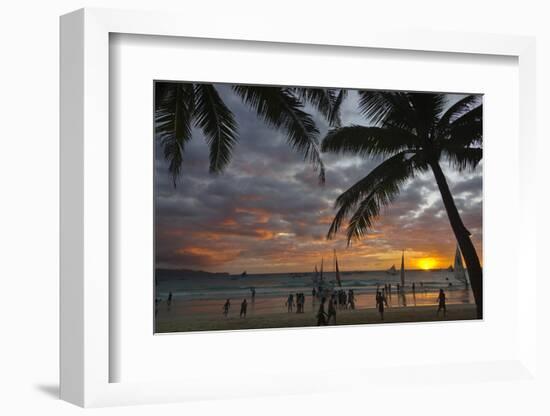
268 213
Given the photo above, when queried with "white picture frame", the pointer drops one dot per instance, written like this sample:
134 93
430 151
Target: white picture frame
85 352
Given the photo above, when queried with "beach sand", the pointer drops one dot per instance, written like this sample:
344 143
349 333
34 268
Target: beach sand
171 321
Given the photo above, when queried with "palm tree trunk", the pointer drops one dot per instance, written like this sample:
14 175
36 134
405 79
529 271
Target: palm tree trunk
462 237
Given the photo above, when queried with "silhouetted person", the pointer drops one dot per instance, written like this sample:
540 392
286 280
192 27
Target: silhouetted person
384 299
169 300
441 300
290 303
226 306
413 288
380 304
253 294
321 315
351 299
244 304
313 292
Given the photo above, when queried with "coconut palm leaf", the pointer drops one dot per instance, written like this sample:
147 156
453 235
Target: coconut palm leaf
462 159
280 108
467 130
381 108
173 118
372 192
217 123
368 141
427 109
457 110
334 115
320 98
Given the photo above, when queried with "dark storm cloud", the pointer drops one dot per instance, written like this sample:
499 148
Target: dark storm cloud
267 210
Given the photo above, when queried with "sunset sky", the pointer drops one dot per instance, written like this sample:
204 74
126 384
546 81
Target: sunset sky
267 212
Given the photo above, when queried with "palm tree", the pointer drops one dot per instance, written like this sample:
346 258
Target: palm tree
413 133
180 106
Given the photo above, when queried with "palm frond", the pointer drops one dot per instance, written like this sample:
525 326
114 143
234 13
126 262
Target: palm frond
457 110
467 130
368 141
463 158
388 108
280 108
218 124
427 108
375 190
320 98
174 105
334 118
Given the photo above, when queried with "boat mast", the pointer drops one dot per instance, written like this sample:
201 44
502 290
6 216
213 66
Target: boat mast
403 269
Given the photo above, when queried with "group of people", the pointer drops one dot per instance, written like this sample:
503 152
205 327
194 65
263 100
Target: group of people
343 299
227 305
338 300
300 302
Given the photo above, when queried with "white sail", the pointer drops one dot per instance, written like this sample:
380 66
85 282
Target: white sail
460 272
403 269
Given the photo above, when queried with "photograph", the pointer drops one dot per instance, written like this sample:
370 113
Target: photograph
304 206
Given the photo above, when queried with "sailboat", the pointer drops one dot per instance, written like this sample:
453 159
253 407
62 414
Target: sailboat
403 269
315 277
336 270
460 272
392 270
402 289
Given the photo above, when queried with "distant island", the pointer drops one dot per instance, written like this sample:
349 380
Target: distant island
181 274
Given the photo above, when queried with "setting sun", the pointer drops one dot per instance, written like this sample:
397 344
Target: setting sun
427 263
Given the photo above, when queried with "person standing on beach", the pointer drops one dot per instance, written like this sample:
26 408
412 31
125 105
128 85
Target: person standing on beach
253 294
290 303
380 304
321 315
351 299
244 304
226 306
441 301
169 300
384 298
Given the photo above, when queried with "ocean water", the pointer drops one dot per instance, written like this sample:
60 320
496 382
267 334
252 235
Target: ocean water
280 285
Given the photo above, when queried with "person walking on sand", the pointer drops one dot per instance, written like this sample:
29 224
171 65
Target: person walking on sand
253 294
380 305
244 304
289 303
441 301
321 315
226 306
